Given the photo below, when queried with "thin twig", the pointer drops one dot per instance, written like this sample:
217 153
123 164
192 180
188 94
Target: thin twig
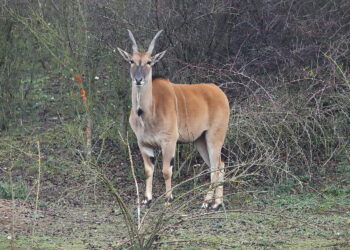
13 209
135 180
38 180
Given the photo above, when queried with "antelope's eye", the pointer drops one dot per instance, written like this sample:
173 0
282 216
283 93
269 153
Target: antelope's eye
132 62
149 62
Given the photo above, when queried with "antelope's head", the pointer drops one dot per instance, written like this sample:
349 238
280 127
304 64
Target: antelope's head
141 62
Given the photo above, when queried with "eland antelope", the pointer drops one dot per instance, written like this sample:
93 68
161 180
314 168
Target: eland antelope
164 113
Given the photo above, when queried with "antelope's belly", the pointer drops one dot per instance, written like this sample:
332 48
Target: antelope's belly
189 136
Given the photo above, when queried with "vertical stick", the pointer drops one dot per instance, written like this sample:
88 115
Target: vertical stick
37 191
135 180
13 209
38 180
88 137
136 186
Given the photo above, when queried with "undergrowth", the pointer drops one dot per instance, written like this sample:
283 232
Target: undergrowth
288 133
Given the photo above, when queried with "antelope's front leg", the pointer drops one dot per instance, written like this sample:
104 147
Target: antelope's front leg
168 151
148 160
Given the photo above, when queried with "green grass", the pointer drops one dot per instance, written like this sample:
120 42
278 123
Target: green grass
256 220
19 189
289 221
40 242
43 242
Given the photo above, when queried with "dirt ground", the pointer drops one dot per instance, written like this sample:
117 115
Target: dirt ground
88 227
295 221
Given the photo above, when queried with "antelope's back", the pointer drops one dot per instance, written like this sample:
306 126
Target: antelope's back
204 102
197 107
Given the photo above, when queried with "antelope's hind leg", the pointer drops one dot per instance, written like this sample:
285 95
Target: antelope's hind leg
148 160
215 140
168 152
202 148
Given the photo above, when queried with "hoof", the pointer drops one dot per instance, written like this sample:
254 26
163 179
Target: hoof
206 205
217 207
169 201
146 203
211 206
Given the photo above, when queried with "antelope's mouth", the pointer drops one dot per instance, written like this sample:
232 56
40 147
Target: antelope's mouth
139 83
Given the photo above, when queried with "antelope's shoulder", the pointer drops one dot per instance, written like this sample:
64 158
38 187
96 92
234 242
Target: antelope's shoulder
163 92
161 82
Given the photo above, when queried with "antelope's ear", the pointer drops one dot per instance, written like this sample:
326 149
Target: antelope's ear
125 55
157 57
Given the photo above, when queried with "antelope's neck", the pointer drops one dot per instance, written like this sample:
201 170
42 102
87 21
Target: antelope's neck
142 99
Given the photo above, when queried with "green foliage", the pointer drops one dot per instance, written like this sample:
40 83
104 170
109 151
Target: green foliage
286 186
336 191
18 190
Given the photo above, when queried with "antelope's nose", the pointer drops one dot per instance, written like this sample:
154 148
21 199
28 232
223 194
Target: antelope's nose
138 81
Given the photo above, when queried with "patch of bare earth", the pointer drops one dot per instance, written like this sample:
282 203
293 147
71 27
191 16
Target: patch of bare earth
95 226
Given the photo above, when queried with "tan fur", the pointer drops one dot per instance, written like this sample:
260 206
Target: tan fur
182 112
171 112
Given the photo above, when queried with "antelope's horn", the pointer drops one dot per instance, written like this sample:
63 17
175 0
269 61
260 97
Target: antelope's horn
134 45
151 46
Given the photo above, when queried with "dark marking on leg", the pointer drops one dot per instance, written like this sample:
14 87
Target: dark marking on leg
152 159
139 112
172 162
